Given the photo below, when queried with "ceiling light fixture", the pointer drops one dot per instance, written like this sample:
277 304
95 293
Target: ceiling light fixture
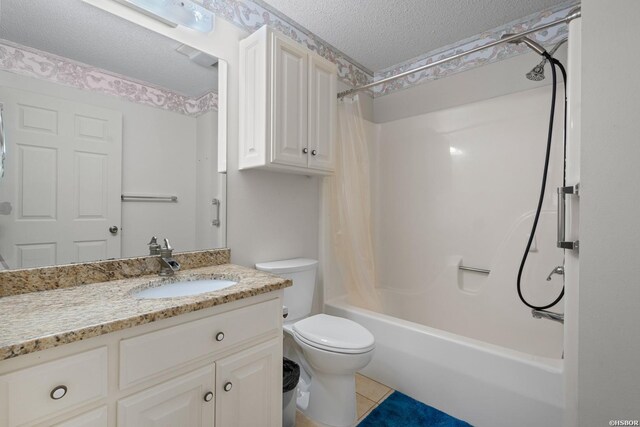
174 13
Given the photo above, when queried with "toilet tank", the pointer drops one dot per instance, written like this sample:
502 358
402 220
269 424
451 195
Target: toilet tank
299 297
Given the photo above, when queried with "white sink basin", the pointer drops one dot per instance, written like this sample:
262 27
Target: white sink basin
184 288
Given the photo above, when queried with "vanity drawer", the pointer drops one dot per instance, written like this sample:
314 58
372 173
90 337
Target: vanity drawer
151 354
53 387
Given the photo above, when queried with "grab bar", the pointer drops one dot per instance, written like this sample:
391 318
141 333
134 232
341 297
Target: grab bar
3 145
216 221
474 269
562 197
136 198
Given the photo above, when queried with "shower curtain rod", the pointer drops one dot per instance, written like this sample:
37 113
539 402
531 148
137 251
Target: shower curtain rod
572 15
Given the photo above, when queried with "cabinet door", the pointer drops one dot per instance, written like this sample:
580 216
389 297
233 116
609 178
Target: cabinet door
95 418
322 113
249 387
179 402
289 103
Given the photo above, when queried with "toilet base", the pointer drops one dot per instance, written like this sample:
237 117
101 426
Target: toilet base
332 399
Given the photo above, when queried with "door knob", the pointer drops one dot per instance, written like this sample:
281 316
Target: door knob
314 152
208 397
305 150
228 386
113 229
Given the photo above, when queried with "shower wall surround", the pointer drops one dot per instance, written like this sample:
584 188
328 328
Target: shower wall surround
459 187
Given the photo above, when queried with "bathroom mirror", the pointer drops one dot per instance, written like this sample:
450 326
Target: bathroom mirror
111 137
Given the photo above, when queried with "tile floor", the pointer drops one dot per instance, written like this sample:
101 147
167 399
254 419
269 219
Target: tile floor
369 394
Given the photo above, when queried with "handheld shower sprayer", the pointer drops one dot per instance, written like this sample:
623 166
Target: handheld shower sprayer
539 76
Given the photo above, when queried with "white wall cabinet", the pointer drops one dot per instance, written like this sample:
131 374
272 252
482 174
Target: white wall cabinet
287 106
191 360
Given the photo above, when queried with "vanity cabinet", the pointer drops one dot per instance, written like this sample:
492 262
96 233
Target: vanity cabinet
287 106
220 366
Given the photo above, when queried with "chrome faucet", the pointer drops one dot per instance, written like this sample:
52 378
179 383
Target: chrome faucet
558 270
544 314
168 265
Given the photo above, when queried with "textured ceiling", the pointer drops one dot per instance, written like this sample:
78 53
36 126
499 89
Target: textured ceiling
76 30
382 33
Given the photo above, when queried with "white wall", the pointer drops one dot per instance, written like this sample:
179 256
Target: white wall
609 317
209 184
159 157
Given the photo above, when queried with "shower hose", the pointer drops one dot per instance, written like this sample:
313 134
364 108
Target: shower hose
554 63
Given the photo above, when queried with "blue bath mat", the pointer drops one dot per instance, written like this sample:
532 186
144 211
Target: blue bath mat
399 410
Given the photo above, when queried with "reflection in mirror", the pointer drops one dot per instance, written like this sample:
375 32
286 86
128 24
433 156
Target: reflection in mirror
111 138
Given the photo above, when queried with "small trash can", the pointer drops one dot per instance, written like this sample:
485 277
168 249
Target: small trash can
290 378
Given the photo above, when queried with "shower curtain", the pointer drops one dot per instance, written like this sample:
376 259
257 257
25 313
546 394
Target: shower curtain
349 201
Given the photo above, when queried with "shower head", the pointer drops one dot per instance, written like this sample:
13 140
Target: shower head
537 73
530 43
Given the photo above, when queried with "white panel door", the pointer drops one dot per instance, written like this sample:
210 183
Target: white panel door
63 180
186 401
289 103
249 387
322 113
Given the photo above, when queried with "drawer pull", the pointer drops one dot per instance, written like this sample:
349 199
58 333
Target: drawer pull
208 396
58 392
228 386
219 336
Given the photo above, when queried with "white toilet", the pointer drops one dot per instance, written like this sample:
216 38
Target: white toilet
330 349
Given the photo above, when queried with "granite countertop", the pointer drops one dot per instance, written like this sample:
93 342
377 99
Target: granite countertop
36 321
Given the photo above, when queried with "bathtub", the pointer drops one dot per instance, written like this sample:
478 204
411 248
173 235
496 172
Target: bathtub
484 384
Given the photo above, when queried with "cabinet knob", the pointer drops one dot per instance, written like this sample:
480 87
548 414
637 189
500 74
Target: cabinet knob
208 396
58 392
227 386
314 152
219 336
305 150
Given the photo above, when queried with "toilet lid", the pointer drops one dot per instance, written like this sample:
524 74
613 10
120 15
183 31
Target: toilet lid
334 334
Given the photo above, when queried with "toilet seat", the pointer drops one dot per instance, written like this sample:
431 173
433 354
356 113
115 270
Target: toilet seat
334 334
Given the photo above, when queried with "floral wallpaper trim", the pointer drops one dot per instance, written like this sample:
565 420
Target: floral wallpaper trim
251 15
548 37
30 62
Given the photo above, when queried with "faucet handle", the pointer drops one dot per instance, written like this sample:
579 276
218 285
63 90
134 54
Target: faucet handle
167 245
154 247
558 270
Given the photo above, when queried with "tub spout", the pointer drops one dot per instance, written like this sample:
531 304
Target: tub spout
543 314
